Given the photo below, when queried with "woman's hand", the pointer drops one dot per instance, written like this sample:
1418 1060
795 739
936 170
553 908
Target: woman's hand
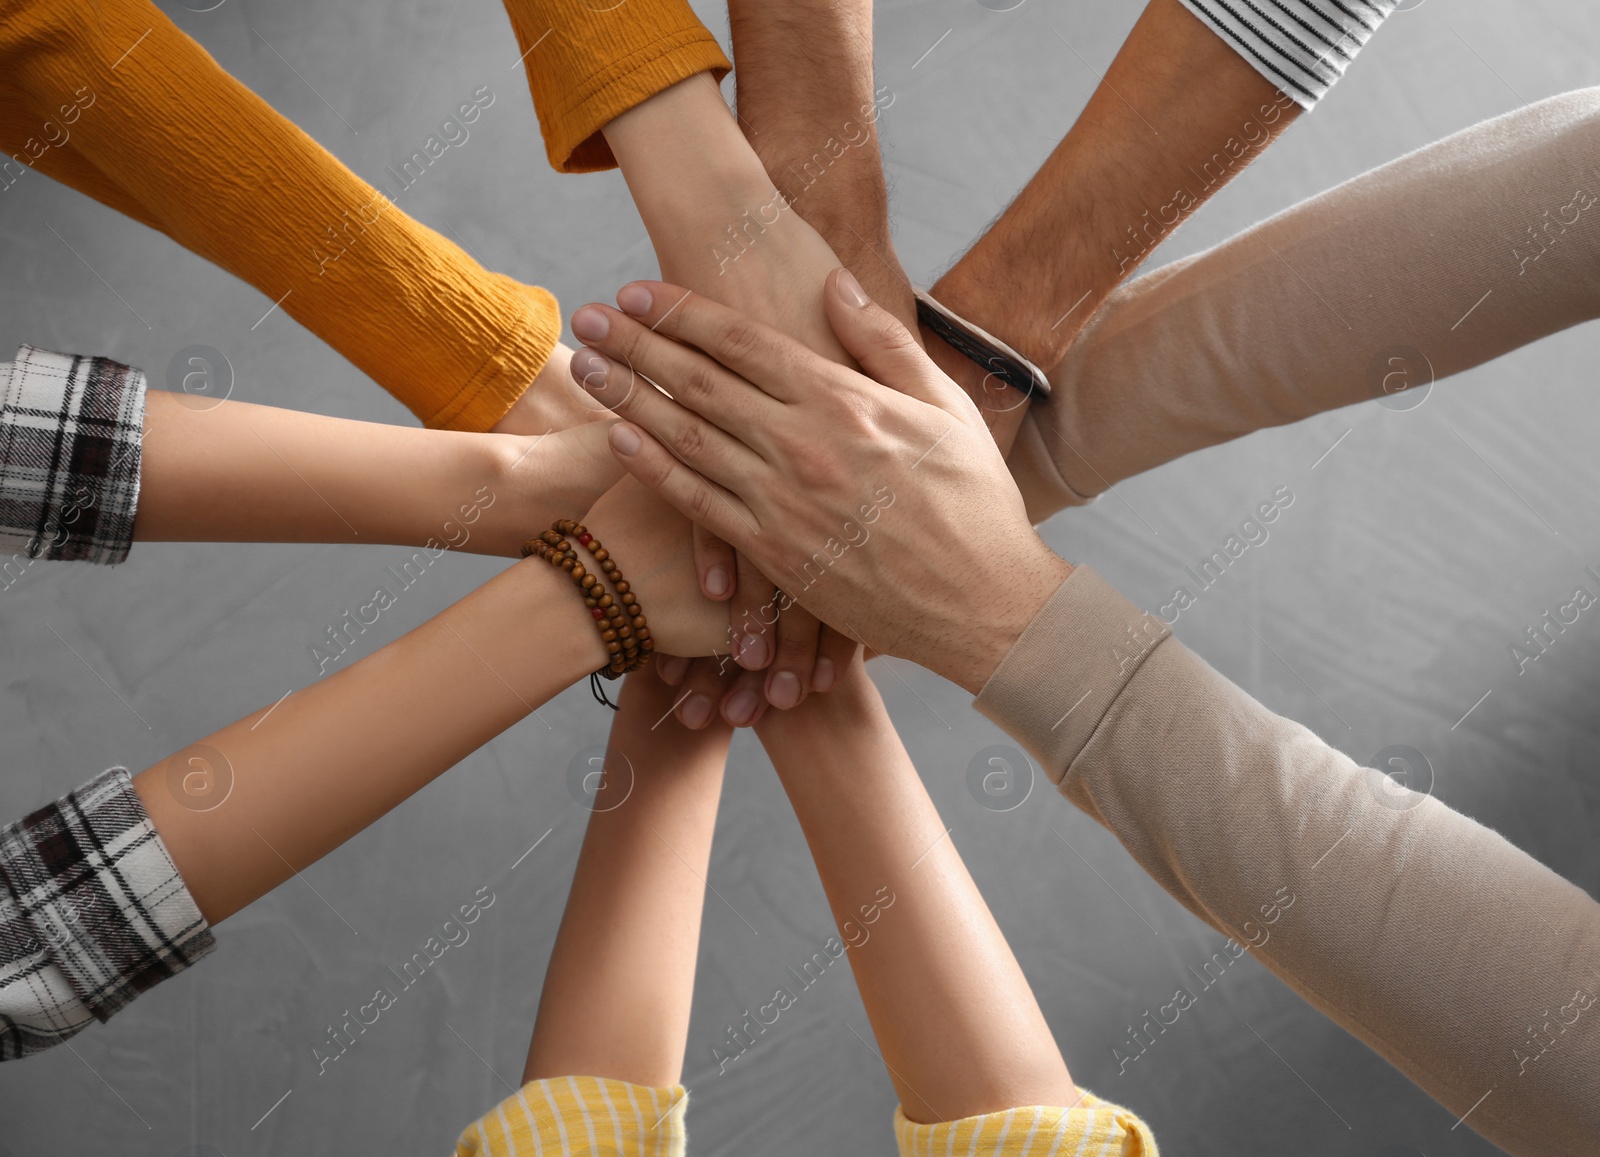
651 544
887 512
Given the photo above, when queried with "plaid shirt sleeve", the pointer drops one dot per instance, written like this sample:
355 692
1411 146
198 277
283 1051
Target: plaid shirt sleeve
70 435
92 913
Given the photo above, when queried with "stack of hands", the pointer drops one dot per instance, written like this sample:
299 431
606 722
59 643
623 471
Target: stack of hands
790 470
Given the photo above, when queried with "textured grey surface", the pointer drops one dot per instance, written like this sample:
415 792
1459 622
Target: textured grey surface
1415 554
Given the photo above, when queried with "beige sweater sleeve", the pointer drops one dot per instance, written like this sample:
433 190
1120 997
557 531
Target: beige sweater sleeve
1455 956
1365 289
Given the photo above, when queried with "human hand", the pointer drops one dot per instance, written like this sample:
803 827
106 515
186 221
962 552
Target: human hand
552 402
1002 406
798 463
767 656
704 685
650 542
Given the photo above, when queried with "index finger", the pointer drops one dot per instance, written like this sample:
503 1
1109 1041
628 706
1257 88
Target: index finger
769 359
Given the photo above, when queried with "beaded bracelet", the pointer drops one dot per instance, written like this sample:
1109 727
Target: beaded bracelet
619 618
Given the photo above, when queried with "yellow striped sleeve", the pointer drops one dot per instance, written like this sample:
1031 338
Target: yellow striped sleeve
1091 1128
581 1117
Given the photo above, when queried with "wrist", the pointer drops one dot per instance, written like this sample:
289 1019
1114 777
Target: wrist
683 148
532 481
969 658
568 644
1030 295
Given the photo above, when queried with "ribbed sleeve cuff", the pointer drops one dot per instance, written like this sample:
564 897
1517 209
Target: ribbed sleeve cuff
587 67
508 370
93 912
71 429
1067 668
1301 46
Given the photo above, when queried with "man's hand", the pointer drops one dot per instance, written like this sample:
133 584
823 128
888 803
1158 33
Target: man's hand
889 501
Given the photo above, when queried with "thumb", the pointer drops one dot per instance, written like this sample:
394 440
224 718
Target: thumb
885 349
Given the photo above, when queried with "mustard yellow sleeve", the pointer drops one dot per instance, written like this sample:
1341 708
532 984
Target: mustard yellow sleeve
583 1117
587 67
1090 1126
113 99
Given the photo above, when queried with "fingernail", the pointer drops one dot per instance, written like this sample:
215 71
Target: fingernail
591 324
822 675
741 706
849 289
783 692
672 669
753 652
695 712
625 440
717 582
634 300
589 369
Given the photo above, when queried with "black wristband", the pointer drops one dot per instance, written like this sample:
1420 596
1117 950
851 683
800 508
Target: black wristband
982 347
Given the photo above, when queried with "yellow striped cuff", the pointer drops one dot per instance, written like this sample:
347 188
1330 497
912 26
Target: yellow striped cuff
1091 1128
581 1117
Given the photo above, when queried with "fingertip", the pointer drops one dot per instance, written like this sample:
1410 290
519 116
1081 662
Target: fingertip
590 323
672 669
823 674
625 440
717 585
634 299
753 651
742 708
784 690
849 290
695 712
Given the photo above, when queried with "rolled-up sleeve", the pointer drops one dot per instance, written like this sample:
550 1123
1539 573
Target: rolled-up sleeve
1302 46
92 913
71 430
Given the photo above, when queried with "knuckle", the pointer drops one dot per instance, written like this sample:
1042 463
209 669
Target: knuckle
698 382
702 503
690 441
737 338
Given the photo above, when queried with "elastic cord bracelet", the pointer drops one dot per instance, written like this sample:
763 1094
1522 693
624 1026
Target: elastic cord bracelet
618 616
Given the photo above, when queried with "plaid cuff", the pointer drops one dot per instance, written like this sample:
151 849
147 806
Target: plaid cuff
70 433
92 913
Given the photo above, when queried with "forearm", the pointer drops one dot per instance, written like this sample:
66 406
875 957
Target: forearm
1291 318
1178 114
288 784
234 472
1423 933
808 104
163 133
718 224
587 64
620 983
959 1029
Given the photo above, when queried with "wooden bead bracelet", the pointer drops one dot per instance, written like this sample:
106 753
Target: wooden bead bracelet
619 617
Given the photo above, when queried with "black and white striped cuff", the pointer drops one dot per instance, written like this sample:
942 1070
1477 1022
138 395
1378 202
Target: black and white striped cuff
1302 46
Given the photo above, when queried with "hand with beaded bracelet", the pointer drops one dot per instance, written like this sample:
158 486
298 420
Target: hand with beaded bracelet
311 771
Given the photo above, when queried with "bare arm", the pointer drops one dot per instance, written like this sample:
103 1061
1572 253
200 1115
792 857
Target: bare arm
620 983
1178 114
810 108
244 473
308 773
960 1031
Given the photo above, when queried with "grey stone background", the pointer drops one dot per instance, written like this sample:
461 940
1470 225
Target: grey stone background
1389 595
